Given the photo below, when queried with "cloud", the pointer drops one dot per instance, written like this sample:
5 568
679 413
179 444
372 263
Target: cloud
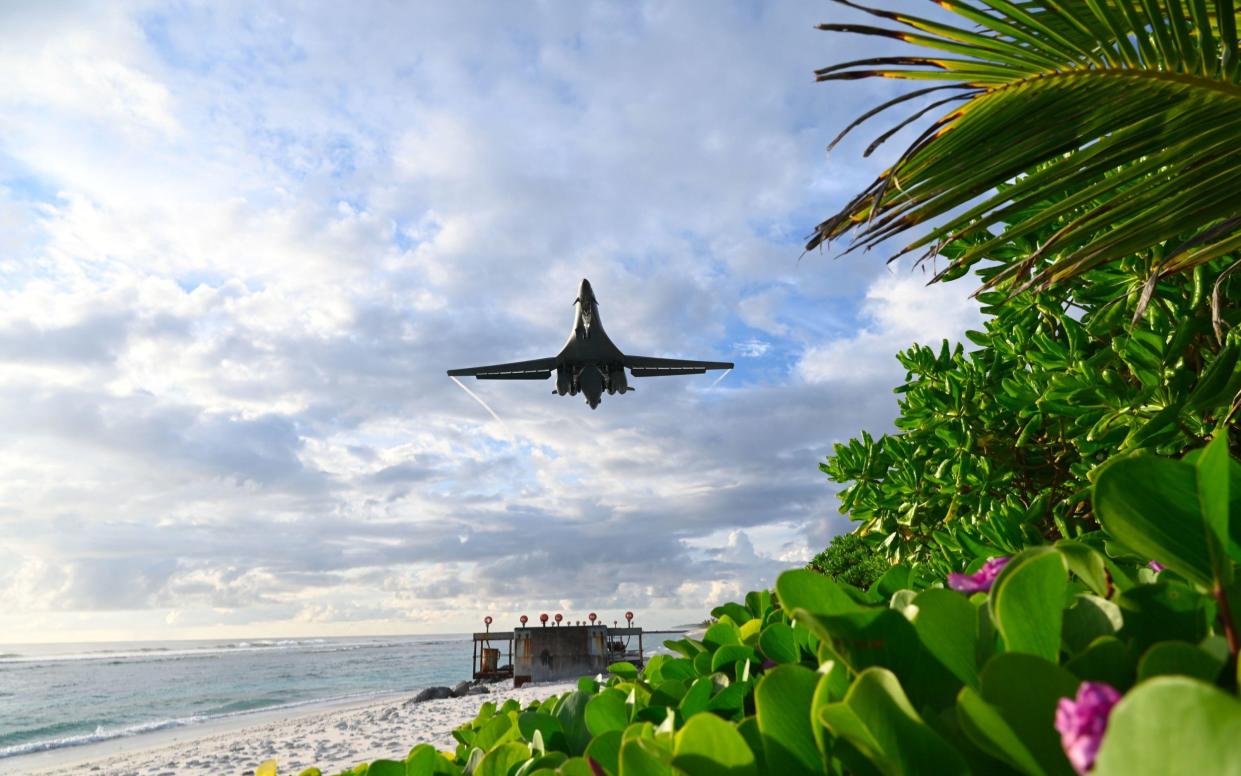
237 256
899 309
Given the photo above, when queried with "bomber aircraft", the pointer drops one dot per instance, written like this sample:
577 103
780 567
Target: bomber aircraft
589 363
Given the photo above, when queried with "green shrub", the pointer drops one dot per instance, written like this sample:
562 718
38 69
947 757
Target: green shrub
997 442
851 560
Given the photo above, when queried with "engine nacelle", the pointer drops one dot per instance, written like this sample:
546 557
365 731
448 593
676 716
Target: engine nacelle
564 380
617 382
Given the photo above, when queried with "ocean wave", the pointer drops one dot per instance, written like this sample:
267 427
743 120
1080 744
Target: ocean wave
102 734
153 654
89 738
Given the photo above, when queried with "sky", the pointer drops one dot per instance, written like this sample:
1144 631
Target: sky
240 245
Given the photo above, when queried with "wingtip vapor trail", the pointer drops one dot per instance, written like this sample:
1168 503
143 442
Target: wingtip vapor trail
727 372
478 399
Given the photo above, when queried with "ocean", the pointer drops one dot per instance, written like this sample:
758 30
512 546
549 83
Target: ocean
54 696
59 695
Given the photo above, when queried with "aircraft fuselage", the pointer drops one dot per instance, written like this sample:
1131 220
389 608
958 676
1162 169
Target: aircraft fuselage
589 363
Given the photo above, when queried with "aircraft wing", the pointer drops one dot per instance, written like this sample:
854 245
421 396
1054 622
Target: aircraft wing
538 369
648 366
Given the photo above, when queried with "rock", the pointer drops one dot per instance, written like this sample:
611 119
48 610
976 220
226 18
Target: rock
479 690
460 689
431 694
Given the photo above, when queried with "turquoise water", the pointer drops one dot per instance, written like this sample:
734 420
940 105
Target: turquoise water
53 696
60 695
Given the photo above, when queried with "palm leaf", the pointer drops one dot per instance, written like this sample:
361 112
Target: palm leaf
1125 113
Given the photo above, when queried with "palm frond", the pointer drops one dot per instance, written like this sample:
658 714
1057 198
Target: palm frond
1127 112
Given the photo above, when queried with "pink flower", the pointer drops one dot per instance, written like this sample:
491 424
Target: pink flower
1155 566
1082 722
980 581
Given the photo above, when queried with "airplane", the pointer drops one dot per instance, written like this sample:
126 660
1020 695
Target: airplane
589 363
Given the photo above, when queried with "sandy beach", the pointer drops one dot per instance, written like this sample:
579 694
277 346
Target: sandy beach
331 739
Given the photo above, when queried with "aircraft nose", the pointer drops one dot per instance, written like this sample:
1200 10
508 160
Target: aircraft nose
585 287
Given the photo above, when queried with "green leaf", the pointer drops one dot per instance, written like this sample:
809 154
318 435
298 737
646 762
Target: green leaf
894 579
758 602
1207 721
883 637
1025 690
736 612
638 730
697 698
721 634
678 668
1150 505
702 662
783 700
1213 475
530 722
605 750
607 711
1087 563
731 700
497 762
1163 611
497 730
1105 660
547 764
669 693
877 719
1027 603
1090 618
725 657
571 713
1179 658
832 686
708 745
623 670
984 725
686 647
575 766
947 624
422 760
1211 390
809 590
644 757
778 643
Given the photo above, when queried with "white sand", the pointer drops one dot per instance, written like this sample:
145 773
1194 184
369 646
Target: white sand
331 740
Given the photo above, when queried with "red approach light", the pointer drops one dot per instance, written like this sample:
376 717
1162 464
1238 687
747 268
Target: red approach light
487 619
629 616
559 618
524 620
543 619
591 617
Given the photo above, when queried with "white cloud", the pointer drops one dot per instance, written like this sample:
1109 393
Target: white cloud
245 246
900 309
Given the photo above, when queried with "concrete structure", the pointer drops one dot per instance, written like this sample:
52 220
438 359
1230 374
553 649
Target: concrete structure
555 652
550 654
